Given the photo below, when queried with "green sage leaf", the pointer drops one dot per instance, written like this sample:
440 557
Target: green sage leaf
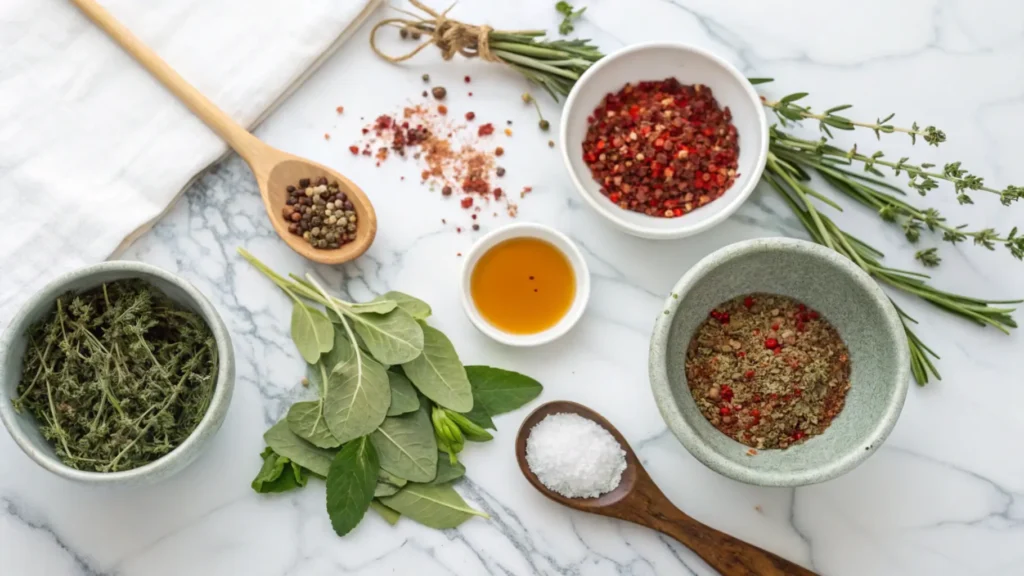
343 351
306 419
288 444
416 308
392 338
312 332
403 396
350 484
501 391
389 515
278 474
434 506
448 472
378 305
357 399
478 415
385 489
385 476
407 447
439 374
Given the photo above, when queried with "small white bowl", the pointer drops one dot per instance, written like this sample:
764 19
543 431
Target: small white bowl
689 65
559 241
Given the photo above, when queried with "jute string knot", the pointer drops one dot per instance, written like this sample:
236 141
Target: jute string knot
450 36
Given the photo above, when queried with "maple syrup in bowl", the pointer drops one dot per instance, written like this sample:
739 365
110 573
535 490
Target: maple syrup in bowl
525 284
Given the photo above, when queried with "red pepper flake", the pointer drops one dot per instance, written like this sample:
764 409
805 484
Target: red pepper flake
497 192
485 130
499 151
353 149
771 343
340 109
327 136
467 202
748 374
467 79
748 302
442 110
470 115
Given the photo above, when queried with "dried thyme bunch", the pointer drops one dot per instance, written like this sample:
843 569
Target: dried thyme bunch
117 376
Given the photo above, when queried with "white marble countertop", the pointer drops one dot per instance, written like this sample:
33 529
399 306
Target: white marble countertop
944 495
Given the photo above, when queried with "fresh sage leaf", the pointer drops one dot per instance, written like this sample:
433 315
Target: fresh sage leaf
385 489
312 332
416 308
501 391
478 415
350 484
407 447
389 515
343 351
469 429
378 305
403 396
448 472
392 338
439 374
434 506
278 474
357 399
306 419
385 476
286 443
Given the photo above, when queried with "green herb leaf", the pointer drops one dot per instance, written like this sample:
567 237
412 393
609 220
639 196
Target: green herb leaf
312 331
389 515
478 415
448 472
350 484
403 396
376 306
416 308
407 447
385 476
434 506
306 420
564 8
278 474
439 374
501 391
343 351
392 338
385 489
286 443
357 399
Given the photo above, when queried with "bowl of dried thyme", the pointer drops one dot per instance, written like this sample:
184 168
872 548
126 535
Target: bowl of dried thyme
778 362
116 374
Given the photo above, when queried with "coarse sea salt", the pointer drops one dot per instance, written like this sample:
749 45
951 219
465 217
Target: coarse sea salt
575 456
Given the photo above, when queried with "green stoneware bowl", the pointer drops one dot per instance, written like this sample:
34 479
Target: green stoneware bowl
843 294
23 428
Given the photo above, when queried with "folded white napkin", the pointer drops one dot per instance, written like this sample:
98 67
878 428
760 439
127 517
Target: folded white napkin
93 149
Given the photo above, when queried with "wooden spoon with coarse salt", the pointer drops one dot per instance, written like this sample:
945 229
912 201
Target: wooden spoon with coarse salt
274 170
637 499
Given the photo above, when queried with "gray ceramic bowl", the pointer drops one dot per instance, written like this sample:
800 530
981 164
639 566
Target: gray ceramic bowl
825 281
22 427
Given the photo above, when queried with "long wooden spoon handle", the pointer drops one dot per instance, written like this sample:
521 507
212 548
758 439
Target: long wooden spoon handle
236 136
730 556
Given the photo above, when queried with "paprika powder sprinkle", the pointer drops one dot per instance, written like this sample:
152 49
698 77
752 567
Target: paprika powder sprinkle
662 148
768 392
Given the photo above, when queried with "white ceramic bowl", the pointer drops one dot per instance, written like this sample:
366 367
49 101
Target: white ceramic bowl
689 65
564 245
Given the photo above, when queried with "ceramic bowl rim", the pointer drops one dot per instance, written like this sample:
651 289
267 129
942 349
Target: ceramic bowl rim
196 441
520 230
687 435
684 229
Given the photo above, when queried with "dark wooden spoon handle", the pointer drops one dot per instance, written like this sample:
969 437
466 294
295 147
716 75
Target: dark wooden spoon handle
730 556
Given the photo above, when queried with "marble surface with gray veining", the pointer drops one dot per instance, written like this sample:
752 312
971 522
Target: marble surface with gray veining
944 495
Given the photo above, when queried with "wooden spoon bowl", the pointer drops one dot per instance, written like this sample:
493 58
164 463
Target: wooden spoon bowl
274 170
637 499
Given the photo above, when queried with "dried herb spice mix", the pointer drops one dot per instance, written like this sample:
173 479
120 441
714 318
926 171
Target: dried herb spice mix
321 213
768 371
662 148
117 376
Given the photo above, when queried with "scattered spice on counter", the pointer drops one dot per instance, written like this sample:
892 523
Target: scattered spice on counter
340 109
321 213
485 130
768 371
470 116
426 77
662 148
327 136
439 92
117 376
575 456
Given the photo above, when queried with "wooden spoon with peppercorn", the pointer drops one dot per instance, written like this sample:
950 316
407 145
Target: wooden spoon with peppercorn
275 170
637 499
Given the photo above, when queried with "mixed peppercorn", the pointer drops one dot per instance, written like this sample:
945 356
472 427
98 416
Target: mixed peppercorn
662 148
768 371
321 213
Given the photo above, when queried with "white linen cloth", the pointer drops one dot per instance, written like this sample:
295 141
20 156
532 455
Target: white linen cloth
93 149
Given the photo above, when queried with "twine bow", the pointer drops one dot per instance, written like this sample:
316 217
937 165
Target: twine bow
451 36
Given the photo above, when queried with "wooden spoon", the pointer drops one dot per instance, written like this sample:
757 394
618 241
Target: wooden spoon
274 170
637 499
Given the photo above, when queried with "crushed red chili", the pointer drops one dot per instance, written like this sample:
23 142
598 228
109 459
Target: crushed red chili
768 392
662 148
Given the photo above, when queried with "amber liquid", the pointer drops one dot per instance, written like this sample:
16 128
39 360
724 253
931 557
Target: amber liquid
523 285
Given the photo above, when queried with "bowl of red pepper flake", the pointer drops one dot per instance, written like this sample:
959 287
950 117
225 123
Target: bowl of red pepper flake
664 140
778 362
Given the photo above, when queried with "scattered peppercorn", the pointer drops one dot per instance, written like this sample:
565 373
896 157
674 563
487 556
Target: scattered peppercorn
476 226
470 115
442 110
426 77
551 143
485 130
500 171
662 148
768 392
340 109
467 79
439 92
353 149
327 136
544 124
320 212
446 191
467 201
499 151
424 93
403 33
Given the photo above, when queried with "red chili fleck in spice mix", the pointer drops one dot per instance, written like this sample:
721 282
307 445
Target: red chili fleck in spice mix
767 371
662 148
